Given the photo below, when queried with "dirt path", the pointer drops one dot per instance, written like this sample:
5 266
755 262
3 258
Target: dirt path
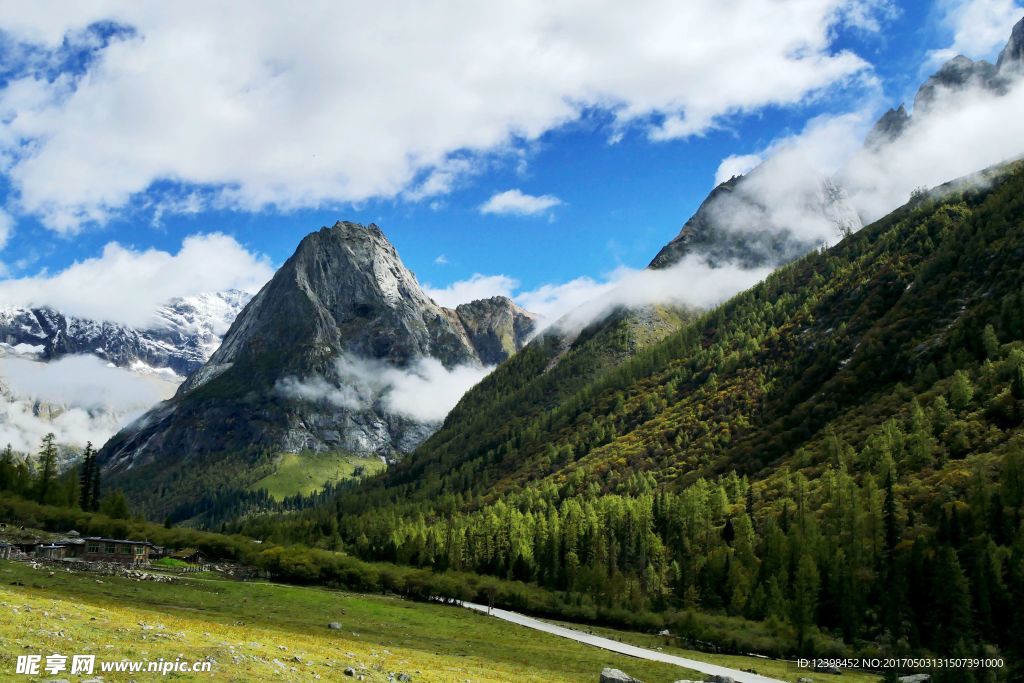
621 648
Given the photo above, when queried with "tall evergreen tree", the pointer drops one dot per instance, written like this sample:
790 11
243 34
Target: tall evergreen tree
7 469
94 486
48 467
85 477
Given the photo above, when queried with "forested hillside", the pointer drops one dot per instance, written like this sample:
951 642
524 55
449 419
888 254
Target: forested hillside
837 451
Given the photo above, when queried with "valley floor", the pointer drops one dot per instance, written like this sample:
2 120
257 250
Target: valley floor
253 631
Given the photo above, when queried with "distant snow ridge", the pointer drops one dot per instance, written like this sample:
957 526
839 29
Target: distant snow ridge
184 333
84 380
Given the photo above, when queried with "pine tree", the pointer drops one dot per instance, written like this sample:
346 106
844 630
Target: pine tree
990 342
894 595
48 466
94 486
115 506
805 597
85 477
7 477
960 391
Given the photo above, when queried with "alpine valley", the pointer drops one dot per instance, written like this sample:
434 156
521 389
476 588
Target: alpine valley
827 464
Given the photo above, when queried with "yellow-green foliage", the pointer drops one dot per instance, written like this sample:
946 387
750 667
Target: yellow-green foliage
270 632
307 472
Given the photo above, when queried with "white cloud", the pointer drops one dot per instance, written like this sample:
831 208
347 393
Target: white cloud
516 203
790 192
785 192
983 128
127 286
441 260
736 165
690 283
82 381
343 101
78 398
478 286
552 301
429 391
979 27
425 391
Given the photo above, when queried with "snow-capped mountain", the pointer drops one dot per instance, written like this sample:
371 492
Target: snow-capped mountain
85 379
184 333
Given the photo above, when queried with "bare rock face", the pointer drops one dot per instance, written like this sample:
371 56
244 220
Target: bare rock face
956 74
303 365
739 224
1012 56
888 128
496 327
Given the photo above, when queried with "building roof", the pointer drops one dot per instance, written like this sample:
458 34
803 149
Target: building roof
100 539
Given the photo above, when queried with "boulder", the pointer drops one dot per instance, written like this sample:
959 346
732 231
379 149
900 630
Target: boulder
334 626
610 675
915 678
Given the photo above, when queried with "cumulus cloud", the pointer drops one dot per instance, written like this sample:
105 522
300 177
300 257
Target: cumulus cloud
261 105
979 27
78 398
514 202
478 286
128 286
425 391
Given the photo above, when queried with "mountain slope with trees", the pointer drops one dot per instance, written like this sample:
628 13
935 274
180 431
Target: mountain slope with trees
835 451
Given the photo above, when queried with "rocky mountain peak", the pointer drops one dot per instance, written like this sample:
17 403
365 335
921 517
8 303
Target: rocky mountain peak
316 362
497 327
956 74
1012 56
889 127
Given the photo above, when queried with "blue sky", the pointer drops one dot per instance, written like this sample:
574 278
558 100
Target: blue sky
601 147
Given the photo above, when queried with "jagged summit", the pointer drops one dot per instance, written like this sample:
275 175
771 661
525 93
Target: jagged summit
958 73
307 365
1012 56
344 289
741 222
737 224
889 127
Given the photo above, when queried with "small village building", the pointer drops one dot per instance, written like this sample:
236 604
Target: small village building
6 551
97 549
190 555
52 551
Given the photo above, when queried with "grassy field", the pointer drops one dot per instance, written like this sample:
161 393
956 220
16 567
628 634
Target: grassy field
307 472
262 631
